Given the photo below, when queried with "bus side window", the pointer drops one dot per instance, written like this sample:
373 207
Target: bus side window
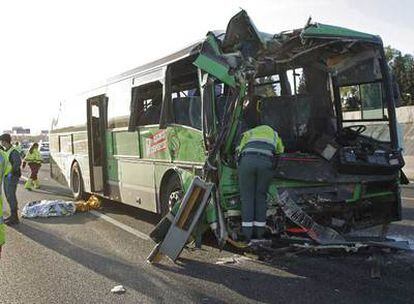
187 108
146 105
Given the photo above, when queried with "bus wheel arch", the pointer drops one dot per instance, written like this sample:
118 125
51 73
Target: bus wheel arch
171 190
76 181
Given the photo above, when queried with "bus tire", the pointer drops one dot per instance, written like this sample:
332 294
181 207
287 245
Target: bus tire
171 194
76 182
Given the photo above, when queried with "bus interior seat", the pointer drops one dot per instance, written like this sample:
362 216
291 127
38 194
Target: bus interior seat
187 111
289 116
151 116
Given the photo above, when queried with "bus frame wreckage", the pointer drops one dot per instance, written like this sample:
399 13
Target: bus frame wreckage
335 112
152 134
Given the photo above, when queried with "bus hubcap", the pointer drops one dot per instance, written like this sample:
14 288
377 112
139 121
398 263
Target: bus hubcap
175 197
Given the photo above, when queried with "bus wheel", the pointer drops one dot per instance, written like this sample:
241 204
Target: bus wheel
172 194
76 183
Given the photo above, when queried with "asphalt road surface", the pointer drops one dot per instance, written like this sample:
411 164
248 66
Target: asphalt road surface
79 259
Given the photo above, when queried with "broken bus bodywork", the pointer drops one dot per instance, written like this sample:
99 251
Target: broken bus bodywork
328 93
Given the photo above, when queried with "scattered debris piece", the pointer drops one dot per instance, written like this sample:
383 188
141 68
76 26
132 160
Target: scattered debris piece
319 233
119 289
48 208
376 264
92 203
227 260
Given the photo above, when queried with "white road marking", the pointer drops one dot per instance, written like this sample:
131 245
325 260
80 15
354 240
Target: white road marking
407 198
124 227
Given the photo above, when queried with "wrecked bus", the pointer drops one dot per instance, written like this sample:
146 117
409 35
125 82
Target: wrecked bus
142 136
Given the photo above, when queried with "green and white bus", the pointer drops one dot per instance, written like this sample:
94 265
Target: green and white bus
140 137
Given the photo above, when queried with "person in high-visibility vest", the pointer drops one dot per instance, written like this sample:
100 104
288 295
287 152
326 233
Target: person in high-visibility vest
34 160
256 155
11 178
19 149
3 161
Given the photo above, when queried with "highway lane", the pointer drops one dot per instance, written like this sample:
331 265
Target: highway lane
79 259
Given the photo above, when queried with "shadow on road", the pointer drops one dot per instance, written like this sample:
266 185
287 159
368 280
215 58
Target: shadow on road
111 207
46 189
307 280
288 280
76 219
140 278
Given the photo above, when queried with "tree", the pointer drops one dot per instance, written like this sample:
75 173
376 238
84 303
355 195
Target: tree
402 67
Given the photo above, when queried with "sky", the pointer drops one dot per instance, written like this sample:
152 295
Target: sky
53 49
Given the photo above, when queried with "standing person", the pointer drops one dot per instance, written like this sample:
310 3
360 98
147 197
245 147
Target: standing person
256 152
34 160
19 149
3 161
12 175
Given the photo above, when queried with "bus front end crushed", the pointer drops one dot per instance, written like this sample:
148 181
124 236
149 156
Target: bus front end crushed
328 93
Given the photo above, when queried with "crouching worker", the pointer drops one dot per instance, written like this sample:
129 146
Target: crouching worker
34 160
256 155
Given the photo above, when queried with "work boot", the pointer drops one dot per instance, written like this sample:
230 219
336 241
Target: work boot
13 219
36 184
260 232
247 233
28 184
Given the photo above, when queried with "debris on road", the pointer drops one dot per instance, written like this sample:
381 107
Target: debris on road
48 208
377 262
319 233
235 259
119 289
92 203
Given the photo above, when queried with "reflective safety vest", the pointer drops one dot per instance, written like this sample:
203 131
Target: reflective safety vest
18 148
2 169
261 134
33 157
8 166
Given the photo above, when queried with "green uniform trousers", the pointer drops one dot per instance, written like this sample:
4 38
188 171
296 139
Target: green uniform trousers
255 174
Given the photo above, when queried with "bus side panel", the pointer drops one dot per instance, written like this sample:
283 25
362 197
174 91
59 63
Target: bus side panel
66 148
155 143
185 144
80 155
56 166
113 182
137 183
131 180
173 144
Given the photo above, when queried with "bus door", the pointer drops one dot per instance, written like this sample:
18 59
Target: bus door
97 124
